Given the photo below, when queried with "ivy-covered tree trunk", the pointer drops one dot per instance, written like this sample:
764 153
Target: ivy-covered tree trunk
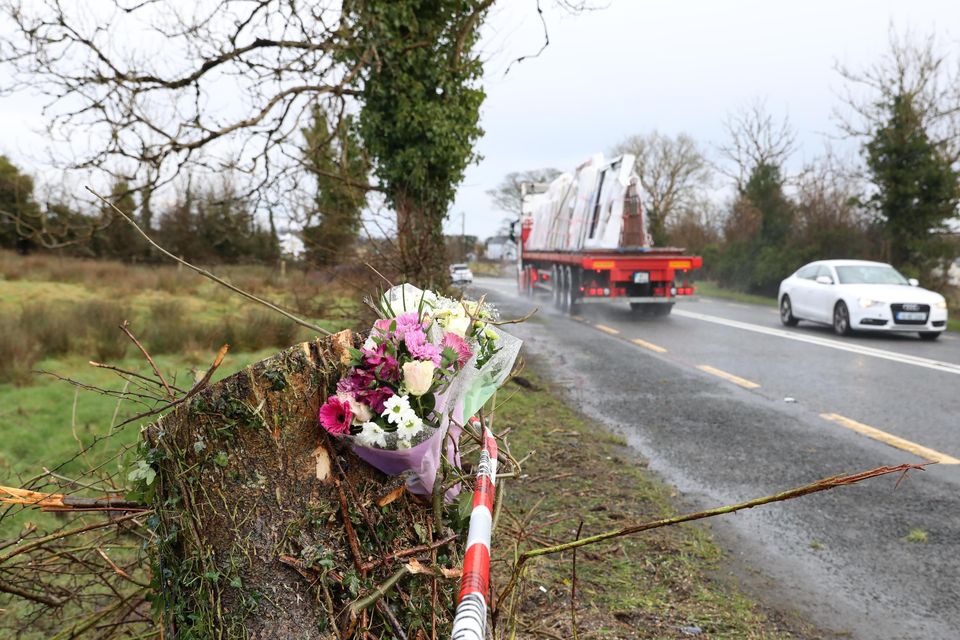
264 525
419 85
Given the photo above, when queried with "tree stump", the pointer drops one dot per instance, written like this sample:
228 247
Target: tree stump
267 528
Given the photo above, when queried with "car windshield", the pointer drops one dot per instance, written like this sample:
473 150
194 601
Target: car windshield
458 267
869 274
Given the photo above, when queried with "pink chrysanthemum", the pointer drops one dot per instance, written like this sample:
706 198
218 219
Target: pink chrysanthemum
459 345
335 416
407 322
421 349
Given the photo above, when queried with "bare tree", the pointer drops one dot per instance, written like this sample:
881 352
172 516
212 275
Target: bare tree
155 102
158 91
754 139
673 174
508 194
917 70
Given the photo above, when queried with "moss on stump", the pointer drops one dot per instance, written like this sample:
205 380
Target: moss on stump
251 536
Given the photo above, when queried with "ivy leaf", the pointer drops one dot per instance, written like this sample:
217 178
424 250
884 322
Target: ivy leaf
142 472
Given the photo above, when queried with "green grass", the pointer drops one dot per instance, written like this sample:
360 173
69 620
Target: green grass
56 306
917 536
60 313
48 422
644 586
713 290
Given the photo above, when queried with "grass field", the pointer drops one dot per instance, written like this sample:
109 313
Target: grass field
58 314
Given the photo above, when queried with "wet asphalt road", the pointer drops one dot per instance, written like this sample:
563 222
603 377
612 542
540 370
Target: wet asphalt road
839 558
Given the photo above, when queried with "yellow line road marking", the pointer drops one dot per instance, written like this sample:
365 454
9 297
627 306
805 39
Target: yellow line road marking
606 329
648 345
890 439
743 382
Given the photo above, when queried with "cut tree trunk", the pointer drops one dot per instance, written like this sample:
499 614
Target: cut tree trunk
250 494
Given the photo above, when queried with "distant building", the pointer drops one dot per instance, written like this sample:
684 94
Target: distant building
501 248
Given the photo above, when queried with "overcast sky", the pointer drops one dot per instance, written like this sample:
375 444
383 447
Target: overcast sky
635 66
676 67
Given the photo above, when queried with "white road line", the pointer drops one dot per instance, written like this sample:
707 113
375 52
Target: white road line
936 365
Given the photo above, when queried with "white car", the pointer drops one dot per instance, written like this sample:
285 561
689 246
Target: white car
856 295
461 274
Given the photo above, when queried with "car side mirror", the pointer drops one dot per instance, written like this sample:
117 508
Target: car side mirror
824 280
914 282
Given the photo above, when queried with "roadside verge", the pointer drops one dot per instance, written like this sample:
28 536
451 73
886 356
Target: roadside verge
659 584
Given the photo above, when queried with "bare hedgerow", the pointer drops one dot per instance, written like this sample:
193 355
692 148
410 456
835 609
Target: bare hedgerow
19 350
99 320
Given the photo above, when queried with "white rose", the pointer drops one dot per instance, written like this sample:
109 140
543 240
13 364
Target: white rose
418 376
455 320
361 412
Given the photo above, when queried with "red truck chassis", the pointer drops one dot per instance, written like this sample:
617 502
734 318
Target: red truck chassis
651 280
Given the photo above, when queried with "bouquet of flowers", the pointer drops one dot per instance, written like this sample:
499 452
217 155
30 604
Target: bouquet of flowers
427 359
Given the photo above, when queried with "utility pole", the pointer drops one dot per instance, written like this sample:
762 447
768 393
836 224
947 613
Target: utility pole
463 234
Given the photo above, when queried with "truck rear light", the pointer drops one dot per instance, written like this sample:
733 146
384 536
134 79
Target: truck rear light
606 292
592 291
658 291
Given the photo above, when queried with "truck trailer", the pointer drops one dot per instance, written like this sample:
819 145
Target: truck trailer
584 239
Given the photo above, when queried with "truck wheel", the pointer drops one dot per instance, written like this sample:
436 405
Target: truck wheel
565 289
557 287
528 280
573 291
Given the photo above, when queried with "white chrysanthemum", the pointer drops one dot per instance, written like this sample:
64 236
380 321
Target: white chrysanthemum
410 427
396 408
406 297
372 434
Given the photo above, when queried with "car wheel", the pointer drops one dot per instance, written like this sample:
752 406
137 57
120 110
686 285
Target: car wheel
786 313
841 319
930 335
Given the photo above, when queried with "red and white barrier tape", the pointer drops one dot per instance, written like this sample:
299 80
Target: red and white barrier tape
470 620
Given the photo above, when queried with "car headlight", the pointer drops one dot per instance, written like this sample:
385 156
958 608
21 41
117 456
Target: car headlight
866 303
941 305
